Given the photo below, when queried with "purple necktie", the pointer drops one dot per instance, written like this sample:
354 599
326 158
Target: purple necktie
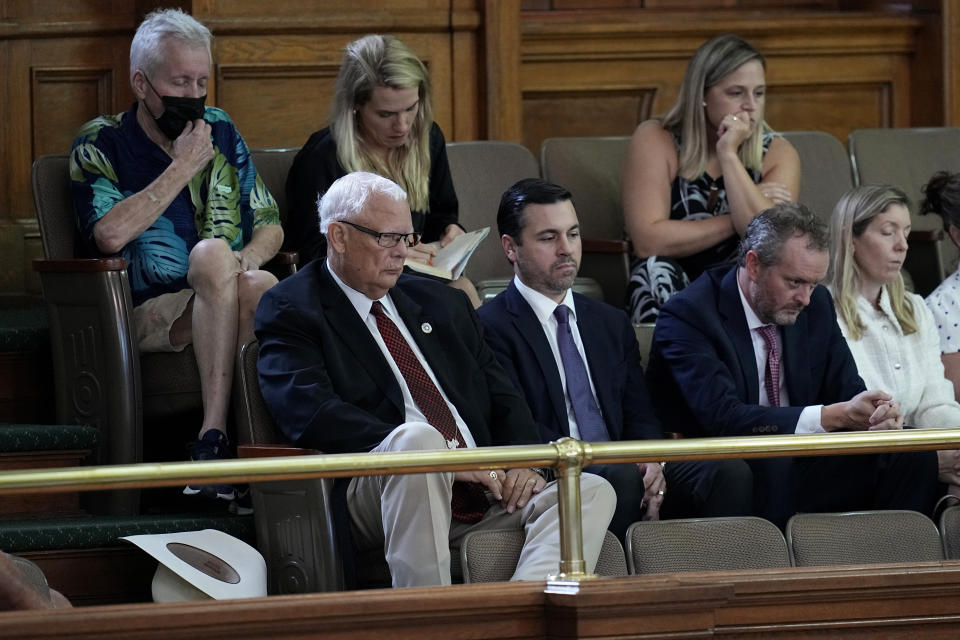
771 378
585 409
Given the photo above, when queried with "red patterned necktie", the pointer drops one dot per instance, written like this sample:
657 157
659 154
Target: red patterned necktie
771 377
469 501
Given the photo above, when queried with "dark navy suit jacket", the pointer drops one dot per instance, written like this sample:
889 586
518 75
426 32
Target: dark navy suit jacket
329 386
613 357
703 376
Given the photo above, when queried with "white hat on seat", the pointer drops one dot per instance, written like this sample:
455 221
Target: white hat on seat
199 565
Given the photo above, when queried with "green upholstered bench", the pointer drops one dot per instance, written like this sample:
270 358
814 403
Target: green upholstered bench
84 532
24 325
43 446
21 438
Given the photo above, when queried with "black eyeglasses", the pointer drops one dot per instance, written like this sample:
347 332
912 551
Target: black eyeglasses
388 239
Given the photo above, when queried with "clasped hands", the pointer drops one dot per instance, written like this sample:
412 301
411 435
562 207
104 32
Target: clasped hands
867 411
512 488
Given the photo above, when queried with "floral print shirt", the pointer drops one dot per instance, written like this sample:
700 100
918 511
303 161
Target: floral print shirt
112 158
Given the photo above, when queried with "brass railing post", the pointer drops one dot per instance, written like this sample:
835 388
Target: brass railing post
572 457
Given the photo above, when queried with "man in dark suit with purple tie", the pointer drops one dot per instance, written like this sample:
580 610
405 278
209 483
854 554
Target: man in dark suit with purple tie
577 363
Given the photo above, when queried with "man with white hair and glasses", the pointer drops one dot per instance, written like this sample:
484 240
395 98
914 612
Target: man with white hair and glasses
169 186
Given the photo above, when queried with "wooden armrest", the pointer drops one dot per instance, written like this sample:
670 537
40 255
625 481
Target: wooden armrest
79 265
285 257
598 245
925 236
272 451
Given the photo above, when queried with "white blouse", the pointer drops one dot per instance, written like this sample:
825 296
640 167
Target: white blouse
944 302
906 367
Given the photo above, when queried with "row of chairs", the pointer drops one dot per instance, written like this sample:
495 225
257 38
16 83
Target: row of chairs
718 544
296 536
812 539
89 301
590 167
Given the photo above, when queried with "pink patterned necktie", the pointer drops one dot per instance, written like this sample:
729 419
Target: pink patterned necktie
771 376
469 500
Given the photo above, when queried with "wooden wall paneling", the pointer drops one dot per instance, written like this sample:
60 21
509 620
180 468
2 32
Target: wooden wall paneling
276 105
70 95
331 16
832 72
501 63
610 112
950 36
467 71
16 198
861 91
55 85
6 127
927 65
278 88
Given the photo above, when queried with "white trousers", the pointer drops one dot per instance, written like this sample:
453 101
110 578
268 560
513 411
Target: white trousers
410 516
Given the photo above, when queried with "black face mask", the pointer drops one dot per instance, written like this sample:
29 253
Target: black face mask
177 112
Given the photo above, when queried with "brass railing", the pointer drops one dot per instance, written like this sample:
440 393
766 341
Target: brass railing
567 456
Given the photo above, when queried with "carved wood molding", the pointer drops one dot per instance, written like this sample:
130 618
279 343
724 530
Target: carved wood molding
101 25
393 20
635 35
99 77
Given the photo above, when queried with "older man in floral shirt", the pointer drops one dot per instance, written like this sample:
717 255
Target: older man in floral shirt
169 186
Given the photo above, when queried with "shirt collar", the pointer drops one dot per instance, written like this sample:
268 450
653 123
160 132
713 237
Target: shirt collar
866 308
359 300
753 321
543 306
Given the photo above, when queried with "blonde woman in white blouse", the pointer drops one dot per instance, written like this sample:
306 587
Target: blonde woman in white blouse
890 331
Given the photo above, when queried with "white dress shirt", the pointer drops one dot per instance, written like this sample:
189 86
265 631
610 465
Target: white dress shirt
906 367
543 308
363 304
809 421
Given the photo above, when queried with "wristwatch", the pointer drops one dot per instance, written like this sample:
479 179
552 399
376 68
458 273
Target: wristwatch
544 472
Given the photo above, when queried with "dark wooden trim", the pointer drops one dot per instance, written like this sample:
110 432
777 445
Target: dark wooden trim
890 601
79 265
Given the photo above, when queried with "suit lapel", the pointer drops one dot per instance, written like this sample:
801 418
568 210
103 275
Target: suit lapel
735 326
528 326
796 361
419 323
344 321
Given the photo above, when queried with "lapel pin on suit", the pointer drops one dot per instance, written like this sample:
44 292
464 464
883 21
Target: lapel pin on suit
426 327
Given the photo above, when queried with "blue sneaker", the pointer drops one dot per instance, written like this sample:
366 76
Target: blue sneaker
243 504
212 446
